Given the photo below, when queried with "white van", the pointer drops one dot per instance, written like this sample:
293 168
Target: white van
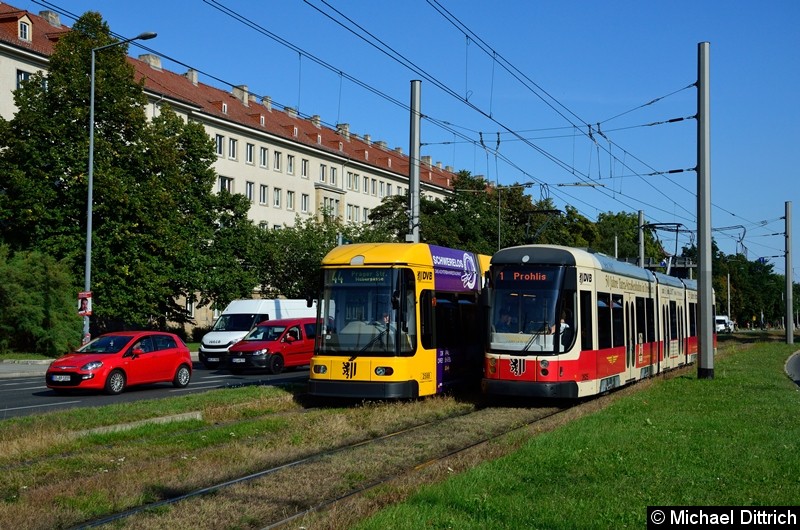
723 324
239 318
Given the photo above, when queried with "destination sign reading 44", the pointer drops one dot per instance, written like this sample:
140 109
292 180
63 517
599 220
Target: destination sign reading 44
530 277
365 276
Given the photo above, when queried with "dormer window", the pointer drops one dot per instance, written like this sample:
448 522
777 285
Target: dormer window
262 120
295 132
224 108
319 138
24 30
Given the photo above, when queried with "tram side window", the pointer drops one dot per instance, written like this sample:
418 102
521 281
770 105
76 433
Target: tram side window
585 324
651 320
618 316
692 319
673 320
603 320
426 319
641 319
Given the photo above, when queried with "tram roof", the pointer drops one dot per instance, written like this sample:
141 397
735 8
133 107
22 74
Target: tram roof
390 254
561 255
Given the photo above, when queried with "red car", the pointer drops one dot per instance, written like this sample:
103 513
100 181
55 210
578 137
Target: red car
117 360
275 344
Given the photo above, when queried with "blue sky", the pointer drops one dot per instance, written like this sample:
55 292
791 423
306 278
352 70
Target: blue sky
531 74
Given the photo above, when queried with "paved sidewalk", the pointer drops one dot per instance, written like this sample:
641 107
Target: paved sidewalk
14 368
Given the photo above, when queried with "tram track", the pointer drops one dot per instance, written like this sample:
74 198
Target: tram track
328 479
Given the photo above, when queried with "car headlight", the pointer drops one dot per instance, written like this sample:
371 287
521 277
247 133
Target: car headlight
261 352
94 365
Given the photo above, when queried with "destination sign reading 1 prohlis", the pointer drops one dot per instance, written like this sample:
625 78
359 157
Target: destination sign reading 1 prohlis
539 277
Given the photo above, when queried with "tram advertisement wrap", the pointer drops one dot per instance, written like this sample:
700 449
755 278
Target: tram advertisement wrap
454 270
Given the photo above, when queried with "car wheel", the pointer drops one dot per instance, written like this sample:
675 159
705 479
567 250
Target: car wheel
182 377
276 364
115 383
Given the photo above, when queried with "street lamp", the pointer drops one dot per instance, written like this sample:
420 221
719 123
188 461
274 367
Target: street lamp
88 278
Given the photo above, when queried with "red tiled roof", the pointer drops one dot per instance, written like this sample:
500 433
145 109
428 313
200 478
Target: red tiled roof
209 100
44 35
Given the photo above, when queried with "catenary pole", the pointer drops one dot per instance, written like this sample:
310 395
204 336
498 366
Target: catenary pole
705 342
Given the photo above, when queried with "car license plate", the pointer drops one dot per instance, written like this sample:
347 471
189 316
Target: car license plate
213 359
237 360
61 378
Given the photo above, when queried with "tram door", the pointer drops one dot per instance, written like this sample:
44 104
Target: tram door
631 341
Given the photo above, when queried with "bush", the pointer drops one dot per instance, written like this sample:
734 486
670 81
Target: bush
38 304
198 332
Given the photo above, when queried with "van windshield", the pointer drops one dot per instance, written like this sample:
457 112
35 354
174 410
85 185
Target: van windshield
235 322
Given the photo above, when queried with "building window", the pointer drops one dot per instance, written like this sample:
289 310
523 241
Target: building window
388 189
22 76
374 186
226 184
290 200
304 168
290 164
263 157
250 153
356 178
304 201
24 31
349 180
277 158
232 144
365 215
366 185
333 176
276 197
220 142
250 190
382 189
323 171
224 108
190 308
263 194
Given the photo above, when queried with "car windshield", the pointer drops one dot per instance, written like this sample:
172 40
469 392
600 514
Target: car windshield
234 322
108 344
265 332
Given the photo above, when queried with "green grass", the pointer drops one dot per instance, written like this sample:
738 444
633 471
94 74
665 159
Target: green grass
731 440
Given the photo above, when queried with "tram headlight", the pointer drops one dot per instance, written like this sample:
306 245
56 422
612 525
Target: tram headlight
382 371
543 364
320 369
492 365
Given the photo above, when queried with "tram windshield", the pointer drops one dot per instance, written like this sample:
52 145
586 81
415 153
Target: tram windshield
368 311
526 317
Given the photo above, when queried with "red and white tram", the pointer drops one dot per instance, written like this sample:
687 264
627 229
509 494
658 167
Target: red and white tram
570 323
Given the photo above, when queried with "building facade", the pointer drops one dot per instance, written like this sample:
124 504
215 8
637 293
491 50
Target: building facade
285 164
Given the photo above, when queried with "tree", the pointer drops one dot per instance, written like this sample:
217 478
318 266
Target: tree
38 311
154 209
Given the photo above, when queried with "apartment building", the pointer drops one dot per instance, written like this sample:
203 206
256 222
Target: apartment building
285 164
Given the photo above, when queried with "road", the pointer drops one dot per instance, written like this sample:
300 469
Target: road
28 395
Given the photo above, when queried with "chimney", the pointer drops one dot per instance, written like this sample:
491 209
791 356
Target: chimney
51 17
153 60
398 150
316 121
267 102
368 139
426 160
290 111
344 130
191 75
381 144
439 165
241 93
